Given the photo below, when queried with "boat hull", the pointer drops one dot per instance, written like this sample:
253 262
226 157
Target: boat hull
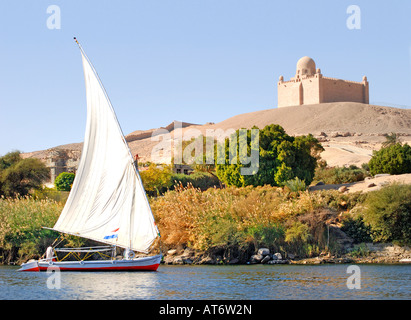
150 263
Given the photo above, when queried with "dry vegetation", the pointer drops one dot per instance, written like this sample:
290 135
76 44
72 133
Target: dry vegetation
245 218
235 220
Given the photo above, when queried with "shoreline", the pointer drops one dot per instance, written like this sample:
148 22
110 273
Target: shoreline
381 253
310 262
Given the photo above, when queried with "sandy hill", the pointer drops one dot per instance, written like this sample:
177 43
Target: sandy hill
328 117
348 131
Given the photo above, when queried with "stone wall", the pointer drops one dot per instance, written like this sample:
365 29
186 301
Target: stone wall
60 160
289 94
337 90
311 90
318 89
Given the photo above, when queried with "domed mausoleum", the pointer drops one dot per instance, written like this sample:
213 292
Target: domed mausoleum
309 86
305 66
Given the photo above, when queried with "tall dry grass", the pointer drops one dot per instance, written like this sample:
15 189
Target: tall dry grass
242 216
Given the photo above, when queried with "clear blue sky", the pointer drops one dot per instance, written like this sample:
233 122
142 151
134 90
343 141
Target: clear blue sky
189 60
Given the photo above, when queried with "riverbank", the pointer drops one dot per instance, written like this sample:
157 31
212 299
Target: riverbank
364 253
230 225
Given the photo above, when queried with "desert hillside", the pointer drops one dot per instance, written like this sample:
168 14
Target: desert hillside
328 117
348 131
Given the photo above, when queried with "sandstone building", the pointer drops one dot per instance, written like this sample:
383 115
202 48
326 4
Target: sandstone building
59 161
309 86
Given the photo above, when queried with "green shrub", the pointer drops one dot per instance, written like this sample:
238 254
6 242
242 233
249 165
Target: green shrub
200 180
365 166
337 200
360 250
357 229
271 235
297 233
50 193
220 231
388 212
297 237
296 185
394 159
339 175
64 181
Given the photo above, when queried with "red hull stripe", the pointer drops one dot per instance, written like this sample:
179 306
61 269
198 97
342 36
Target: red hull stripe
114 268
37 269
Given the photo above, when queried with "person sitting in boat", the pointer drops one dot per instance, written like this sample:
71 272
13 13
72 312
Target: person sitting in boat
50 254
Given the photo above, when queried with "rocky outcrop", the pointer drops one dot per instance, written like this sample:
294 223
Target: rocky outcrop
190 256
386 253
186 257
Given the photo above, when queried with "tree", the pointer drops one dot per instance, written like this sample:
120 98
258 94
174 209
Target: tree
18 176
9 159
390 139
395 159
64 181
156 179
197 152
281 158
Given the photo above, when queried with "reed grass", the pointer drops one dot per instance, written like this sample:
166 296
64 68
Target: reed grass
21 222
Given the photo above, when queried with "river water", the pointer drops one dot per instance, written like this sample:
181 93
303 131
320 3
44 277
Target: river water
251 282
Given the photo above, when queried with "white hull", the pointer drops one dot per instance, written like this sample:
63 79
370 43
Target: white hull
150 263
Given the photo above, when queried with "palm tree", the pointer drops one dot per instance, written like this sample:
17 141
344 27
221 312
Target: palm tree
391 139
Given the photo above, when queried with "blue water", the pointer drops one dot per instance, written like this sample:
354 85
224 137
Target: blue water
255 282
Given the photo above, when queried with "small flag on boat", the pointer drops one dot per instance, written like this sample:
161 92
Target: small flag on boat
113 234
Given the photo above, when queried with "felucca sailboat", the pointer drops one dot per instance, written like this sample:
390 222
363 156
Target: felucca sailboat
107 202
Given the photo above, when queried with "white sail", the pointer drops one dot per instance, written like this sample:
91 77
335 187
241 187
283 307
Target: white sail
107 201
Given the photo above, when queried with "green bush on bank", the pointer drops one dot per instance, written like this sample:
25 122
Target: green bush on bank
388 213
64 181
200 180
356 228
340 175
394 159
295 185
158 179
50 194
